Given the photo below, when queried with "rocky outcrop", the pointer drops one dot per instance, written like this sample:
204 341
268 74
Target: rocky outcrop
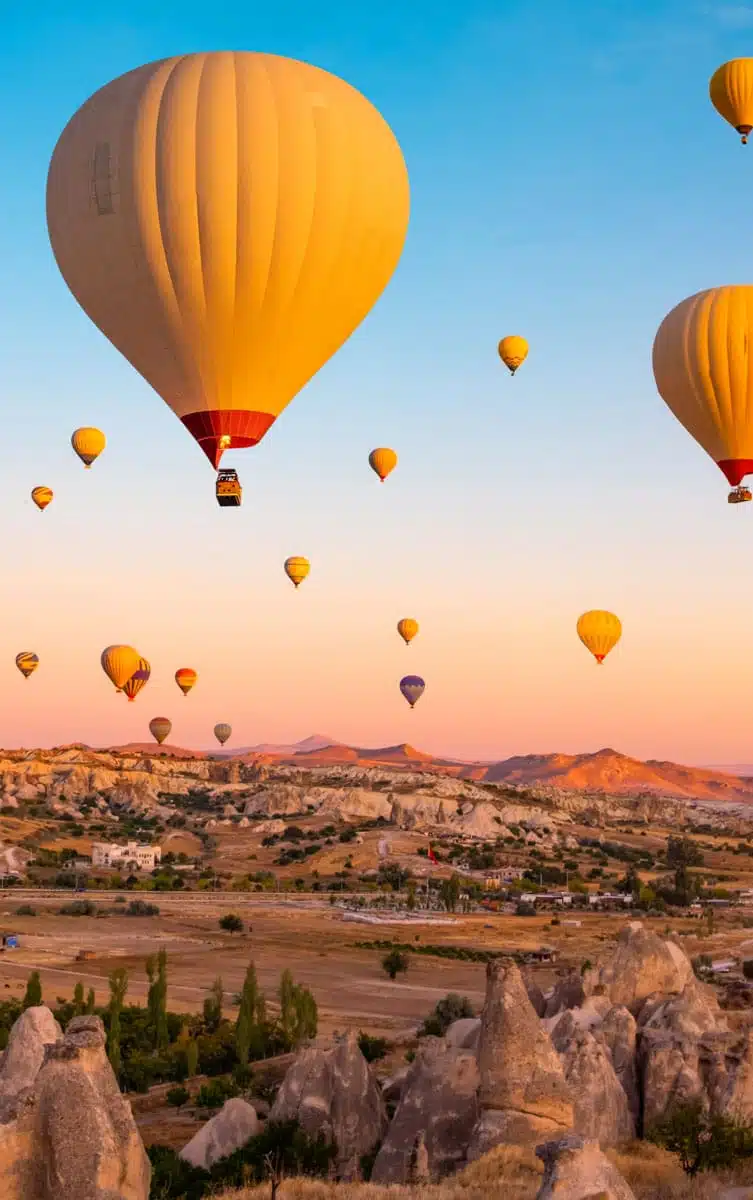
226 1132
71 1134
671 1072
618 1032
522 1093
642 964
438 1104
464 1033
693 1012
601 1105
333 1091
576 1169
567 993
33 1032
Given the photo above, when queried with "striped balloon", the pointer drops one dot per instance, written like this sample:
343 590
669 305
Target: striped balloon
138 680
185 677
42 496
160 728
27 663
222 733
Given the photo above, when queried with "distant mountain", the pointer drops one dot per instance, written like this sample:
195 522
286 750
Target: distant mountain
317 741
743 769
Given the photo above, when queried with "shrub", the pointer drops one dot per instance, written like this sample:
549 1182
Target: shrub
231 923
702 1141
372 1048
178 1096
78 908
525 909
141 908
395 963
748 968
452 1008
26 910
214 1094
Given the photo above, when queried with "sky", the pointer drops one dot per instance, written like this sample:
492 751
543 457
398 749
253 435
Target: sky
571 182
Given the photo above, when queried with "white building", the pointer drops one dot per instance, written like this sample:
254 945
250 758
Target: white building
132 855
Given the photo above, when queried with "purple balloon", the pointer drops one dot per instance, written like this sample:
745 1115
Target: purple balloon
412 687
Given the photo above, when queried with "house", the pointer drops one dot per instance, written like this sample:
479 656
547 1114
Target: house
133 856
601 899
536 898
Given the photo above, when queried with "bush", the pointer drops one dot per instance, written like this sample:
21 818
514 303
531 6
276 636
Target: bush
231 923
26 910
214 1094
525 909
78 908
372 1048
702 1142
395 963
141 908
452 1008
178 1096
748 968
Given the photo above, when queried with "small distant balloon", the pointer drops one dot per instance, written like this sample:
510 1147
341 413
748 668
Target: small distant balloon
599 632
222 733
138 680
296 569
42 496
412 687
119 663
185 677
513 351
160 727
88 444
383 461
27 663
407 628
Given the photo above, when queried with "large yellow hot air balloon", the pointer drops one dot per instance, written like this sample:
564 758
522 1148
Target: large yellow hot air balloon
119 663
382 461
703 366
599 632
222 732
731 92
227 220
407 628
513 351
27 662
296 569
42 496
88 444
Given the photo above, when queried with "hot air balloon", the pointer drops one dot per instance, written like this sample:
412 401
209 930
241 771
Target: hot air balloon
382 461
42 496
703 366
27 663
160 727
88 444
407 628
513 351
119 663
412 687
227 220
222 733
731 92
296 569
185 677
138 680
599 632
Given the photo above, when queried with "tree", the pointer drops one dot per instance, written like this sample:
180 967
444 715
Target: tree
231 923
411 901
681 852
78 999
702 1141
299 1016
213 1005
395 963
178 1096
251 1014
451 1007
192 1058
156 1001
91 1000
449 893
33 995
118 987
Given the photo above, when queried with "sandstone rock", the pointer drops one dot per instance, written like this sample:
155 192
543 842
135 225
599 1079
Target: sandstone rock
464 1033
438 1102
71 1135
618 1032
334 1092
522 1092
671 1074
34 1030
567 993
642 963
694 1012
226 1132
600 1102
576 1169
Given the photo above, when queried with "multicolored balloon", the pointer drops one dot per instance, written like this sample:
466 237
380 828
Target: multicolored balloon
160 727
296 569
513 351
88 444
412 687
222 733
407 628
27 663
185 677
599 632
119 663
42 496
382 461
138 680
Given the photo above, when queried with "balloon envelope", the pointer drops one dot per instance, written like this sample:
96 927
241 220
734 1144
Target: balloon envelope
185 677
160 728
119 663
227 220
407 628
222 733
138 680
296 569
412 687
382 461
27 663
513 351
42 496
88 444
599 632
731 92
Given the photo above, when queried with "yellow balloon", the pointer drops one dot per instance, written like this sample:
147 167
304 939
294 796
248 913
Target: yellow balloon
731 92
703 366
599 632
407 628
296 569
382 461
513 351
119 663
227 220
88 444
42 496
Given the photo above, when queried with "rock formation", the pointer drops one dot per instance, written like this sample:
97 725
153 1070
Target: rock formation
576 1169
642 964
226 1132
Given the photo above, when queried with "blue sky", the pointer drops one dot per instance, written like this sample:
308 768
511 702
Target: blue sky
570 182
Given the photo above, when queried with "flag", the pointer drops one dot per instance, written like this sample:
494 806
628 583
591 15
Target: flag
432 855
